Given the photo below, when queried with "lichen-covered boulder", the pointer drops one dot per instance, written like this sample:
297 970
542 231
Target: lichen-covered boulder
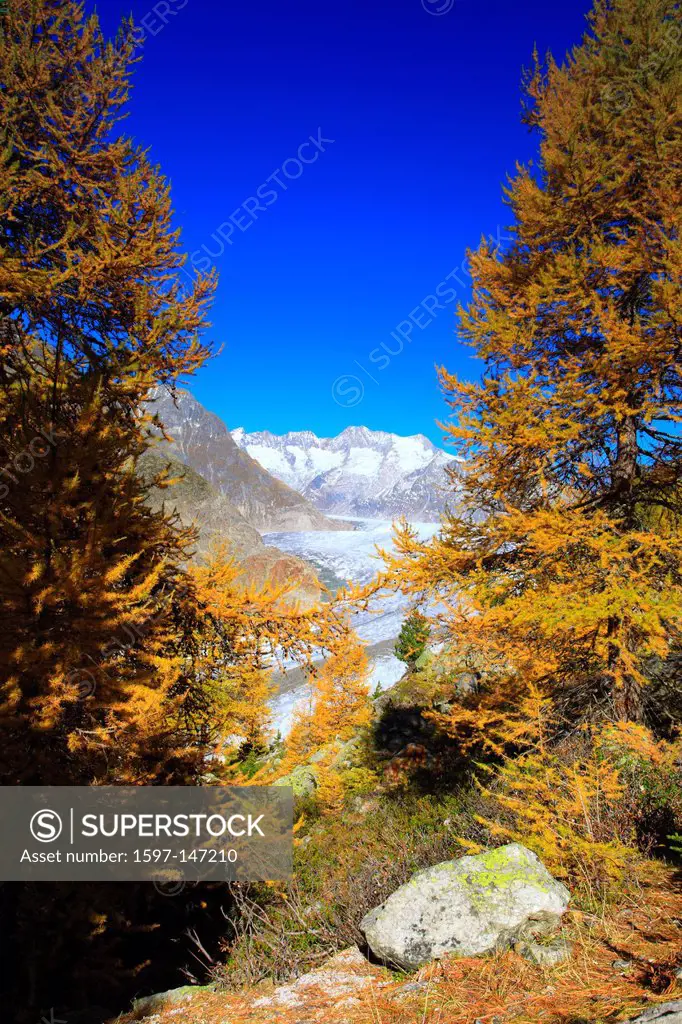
303 780
663 1013
147 1005
466 907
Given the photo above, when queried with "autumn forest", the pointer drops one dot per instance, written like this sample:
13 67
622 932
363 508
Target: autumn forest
540 699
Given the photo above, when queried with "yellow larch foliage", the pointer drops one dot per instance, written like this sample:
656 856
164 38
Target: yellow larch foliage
566 796
338 708
92 316
119 665
561 557
331 791
240 632
342 699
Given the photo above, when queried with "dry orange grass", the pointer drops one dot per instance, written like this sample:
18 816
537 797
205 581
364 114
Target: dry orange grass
646 928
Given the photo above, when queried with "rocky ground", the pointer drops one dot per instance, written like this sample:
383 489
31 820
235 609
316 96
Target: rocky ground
619 964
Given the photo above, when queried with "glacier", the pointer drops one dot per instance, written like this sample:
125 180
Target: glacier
342 558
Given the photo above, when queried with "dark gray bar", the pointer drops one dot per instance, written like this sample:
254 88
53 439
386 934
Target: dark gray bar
166 834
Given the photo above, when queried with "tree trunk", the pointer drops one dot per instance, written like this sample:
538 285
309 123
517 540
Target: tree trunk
626 692
625 467
627 701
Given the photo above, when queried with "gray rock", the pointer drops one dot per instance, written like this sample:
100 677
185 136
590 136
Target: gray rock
424 659
348 755
621 965
413 986
303 780
443 707
410 989
174 996
546 954
665 1013
467 907
337 753
323 753
466 682
346 979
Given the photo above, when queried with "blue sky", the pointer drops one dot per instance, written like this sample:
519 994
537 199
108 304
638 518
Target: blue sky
341 262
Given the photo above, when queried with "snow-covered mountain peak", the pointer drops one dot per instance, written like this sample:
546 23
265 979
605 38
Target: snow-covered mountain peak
363 437
359 472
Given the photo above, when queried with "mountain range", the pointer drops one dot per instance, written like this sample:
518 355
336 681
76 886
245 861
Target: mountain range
234 486
200 440
361 472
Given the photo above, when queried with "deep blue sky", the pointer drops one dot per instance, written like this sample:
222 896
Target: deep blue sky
423 109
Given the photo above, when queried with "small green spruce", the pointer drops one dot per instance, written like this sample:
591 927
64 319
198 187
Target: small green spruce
413 638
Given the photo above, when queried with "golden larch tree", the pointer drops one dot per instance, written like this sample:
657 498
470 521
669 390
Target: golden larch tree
338 706
554 565
92 318
111 649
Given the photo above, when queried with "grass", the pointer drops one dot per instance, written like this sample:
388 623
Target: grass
344 866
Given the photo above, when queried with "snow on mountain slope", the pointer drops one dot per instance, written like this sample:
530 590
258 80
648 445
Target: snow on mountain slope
360 472
202 441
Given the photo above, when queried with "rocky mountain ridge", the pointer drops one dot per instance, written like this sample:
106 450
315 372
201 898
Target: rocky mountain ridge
217 520
201 440
360 472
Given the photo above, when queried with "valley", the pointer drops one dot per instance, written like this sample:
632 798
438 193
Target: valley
362 645
341 558
291 508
